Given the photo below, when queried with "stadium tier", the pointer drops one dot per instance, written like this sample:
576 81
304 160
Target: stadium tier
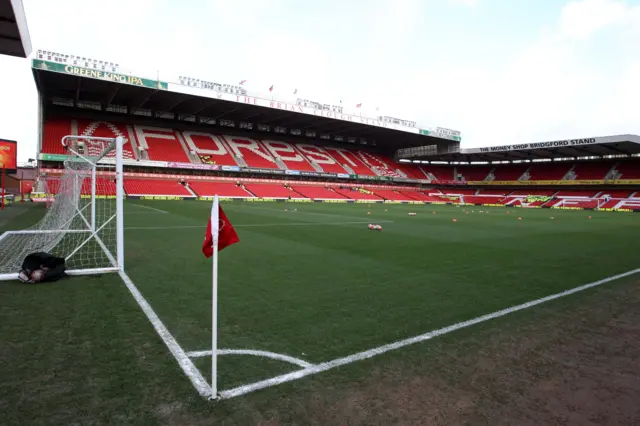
222 189
629 169
318 192
155 187
474 173
174 146
262 190
506 172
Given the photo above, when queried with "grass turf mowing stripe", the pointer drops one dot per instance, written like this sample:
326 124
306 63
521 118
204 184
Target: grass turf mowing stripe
178 353
257 225
318 368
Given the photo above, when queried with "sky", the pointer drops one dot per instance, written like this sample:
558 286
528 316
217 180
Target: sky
500 71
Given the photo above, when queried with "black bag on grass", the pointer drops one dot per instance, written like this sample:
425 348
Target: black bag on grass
52 268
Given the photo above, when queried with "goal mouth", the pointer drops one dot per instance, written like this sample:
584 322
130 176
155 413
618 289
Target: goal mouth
84 222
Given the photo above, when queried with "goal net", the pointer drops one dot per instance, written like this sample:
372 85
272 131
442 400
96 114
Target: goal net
84 223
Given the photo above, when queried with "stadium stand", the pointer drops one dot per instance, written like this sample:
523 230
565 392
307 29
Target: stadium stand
318 155
160 144
434 172
533 191
474 173
586 193
421 196
104 129
349 161
318 192
288 154
143 142
391 195
154 187
615 194
548 171
210 148
222 189
357 194
592 170
502 192
262 190
506 172
252 152
52 134
458 191
104 186
629 169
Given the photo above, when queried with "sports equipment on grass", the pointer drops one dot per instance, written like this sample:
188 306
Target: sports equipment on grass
84 225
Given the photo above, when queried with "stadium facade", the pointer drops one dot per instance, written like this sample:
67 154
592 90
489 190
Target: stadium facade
193 139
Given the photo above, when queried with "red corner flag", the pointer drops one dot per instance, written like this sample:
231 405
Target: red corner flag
226 234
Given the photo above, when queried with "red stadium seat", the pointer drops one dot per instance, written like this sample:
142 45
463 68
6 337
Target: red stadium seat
222 189
264 190
318 192
155 187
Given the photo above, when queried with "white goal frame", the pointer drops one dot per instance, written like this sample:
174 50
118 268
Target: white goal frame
88 218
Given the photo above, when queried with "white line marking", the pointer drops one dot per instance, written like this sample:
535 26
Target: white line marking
150 208
318 368
201 385
258 225
265 354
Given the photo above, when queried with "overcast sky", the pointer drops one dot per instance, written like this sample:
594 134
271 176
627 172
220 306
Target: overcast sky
500 71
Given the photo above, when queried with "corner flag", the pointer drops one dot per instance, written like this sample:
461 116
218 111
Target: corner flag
220 234
226 234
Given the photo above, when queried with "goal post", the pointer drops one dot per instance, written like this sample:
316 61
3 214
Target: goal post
85 223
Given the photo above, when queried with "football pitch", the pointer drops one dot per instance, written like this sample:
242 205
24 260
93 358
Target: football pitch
309 289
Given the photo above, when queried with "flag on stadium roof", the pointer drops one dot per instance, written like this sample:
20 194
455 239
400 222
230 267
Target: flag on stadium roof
358 106
295 92
243 82
271 88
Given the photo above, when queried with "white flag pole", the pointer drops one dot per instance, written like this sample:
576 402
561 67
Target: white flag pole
215 230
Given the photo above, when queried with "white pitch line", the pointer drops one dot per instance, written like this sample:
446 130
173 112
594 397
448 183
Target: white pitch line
150 208
318 368
258 225
189 368
265 354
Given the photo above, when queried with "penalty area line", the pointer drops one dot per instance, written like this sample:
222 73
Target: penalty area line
318 368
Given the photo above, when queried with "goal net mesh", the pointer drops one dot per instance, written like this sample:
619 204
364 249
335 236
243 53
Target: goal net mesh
77 226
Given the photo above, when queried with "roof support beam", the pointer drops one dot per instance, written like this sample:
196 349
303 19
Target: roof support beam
111 94
77 95
134 106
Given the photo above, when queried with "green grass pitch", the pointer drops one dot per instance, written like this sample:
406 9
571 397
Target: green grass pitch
311 282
